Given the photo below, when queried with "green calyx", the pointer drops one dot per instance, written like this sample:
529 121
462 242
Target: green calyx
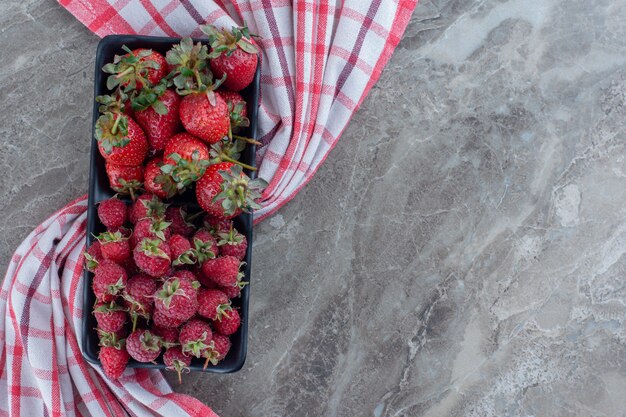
112 104
128 187
198 347
115 289
128 70
212 356
237 120
227 151
239 191
155 208
191 73
152 248
150 342
108 308
202 250
233 237
186 258
110 340
112 131
149 97
110 237
169 290
222 310
158 227
226 42
90 262
184 172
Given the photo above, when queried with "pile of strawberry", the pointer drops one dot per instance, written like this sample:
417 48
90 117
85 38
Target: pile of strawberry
162 281
163 284
171 122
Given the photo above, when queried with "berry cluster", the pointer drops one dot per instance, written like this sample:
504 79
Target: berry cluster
170 122
164 283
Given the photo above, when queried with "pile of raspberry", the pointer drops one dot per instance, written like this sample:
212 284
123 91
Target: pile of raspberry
164 281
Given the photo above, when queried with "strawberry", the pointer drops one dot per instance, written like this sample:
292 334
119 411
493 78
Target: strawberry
177 298
108 281
205 118
233 243
221 346
156 111
156 182
129 266
185 274
136 69
224 271
152 256
110 317
233 54
114 246
112 213
229 323
138 297
205 246
216 225
169 337
234 291
143 346
177 216
112 355
161 320
181 251
213 304
146 205
125 179
93 256
236 104
175 360
196 338
120 140
185 158
225 191
153 228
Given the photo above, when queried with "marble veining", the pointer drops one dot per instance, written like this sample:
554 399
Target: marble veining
462 252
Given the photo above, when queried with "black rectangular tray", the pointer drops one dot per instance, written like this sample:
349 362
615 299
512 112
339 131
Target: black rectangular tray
99 190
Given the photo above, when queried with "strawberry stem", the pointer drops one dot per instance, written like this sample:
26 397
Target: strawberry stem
234 161
206 362
115 124
125 72
245 139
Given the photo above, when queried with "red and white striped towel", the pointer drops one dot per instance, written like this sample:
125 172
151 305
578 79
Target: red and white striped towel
42 372
320 59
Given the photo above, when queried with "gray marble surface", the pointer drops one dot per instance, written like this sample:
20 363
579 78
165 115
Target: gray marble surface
461 253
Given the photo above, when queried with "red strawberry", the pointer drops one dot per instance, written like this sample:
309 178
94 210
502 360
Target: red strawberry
143 346
169 337
152 256
152 228
205 246
221 346
138 68
156 182
181 251
233 243
185 158
124 179
161 320
216 225
238 112
177 216
223 270
206 118
120 140
138 297
233 54
108 281
234 291
146 205
112 355
195 338
112 213
185 274
129 266
175 360
114 246
110 317
212 304
229 324
156 111
177 298
225 191
93 256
